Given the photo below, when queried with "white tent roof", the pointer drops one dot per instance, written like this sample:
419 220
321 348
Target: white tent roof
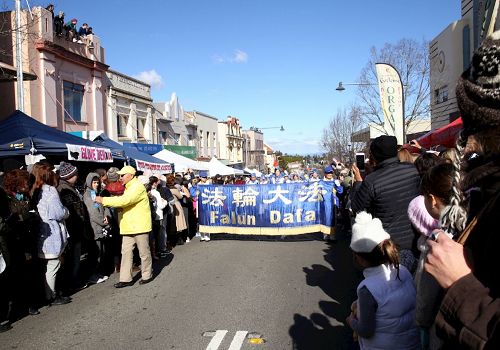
253 171
216 167
180 163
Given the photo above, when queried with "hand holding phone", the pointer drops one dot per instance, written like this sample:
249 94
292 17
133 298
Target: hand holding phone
360 161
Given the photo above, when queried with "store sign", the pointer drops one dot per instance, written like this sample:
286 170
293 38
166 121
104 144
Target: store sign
185 151
89 154
145 147
162 168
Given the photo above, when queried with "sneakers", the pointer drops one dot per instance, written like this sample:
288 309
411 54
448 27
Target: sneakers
205 237
96 279
188 240
5 327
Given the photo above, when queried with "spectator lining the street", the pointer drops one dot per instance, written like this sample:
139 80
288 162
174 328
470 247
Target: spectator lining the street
386 193
384 314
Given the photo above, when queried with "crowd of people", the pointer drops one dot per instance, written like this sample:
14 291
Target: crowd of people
423 228
69 29
425 233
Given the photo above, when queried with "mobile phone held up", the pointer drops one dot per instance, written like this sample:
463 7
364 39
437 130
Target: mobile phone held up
360 161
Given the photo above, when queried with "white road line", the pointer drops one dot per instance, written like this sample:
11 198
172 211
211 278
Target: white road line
217 340
238 340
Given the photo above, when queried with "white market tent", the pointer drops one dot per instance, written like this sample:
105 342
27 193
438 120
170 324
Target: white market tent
181 164
253 171
216 167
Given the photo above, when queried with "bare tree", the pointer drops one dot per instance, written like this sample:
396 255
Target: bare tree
336 138
411 59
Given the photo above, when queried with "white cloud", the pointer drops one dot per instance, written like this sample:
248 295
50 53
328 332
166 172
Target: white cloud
238 56
150 77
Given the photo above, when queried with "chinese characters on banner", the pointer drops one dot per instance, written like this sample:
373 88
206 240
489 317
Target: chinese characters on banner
283 209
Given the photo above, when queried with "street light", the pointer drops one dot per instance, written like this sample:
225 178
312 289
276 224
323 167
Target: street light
272 127
342 88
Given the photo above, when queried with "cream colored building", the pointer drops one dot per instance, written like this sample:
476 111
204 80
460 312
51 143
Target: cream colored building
130 109
253 149
207 131
451 52
230 142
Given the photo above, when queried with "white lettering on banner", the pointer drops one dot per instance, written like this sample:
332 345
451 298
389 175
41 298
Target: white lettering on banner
247 198
89 154
312 193
153 167
278 194
215 198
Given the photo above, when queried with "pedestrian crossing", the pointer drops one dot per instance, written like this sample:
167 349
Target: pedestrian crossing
236 342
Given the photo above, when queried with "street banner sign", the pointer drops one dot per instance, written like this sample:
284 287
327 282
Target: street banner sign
391 98
273 209
89 154
162 168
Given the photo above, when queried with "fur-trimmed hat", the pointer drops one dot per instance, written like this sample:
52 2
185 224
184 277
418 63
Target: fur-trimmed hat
67 170
478 89
367 233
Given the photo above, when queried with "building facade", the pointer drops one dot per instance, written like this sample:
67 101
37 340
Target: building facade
270 158
70 90
451 52
254 152
177 130
130 115
230 142
207 131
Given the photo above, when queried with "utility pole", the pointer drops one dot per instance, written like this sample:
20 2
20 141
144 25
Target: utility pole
19 59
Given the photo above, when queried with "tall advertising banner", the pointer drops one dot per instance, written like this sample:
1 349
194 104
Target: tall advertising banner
392 100
284 209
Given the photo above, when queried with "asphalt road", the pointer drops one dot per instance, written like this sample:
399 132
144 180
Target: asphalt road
293 295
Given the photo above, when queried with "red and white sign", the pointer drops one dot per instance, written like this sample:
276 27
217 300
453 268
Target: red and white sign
162 168
89 154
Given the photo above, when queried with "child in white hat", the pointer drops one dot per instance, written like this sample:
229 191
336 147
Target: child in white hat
384 314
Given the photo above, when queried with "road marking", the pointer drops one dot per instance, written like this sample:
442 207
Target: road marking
217 340
238 340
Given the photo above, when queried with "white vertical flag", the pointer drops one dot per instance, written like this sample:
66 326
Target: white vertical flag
391 98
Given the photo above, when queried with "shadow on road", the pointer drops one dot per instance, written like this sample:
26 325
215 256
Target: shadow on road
338 279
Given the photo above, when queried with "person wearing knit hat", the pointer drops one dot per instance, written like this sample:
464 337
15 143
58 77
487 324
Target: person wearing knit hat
113 175
467 266
385 309
67 170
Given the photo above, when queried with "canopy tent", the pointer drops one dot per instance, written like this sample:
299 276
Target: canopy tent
216 167
142 161
22 135
444 136
252 171
181 164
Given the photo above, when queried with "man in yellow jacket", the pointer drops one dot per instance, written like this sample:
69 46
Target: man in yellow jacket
135 226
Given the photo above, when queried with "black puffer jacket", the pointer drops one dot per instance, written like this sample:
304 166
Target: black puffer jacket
78 222
385 194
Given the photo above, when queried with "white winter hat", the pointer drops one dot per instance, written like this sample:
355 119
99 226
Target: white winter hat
367 233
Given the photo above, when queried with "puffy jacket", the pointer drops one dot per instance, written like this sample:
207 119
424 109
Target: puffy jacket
78 222
135 216
386 193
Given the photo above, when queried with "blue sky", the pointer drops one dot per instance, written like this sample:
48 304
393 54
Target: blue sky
266 62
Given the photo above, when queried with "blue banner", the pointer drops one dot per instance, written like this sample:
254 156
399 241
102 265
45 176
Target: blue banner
274 209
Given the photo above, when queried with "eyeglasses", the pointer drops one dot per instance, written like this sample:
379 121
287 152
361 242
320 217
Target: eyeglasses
122 175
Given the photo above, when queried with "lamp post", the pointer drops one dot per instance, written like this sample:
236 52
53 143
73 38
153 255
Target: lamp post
391 99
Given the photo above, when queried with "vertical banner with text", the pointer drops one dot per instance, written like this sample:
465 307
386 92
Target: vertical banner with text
392 100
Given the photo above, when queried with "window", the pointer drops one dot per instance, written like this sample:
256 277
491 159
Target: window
162 135
441 94
121 125
177 138
73 101
140 128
